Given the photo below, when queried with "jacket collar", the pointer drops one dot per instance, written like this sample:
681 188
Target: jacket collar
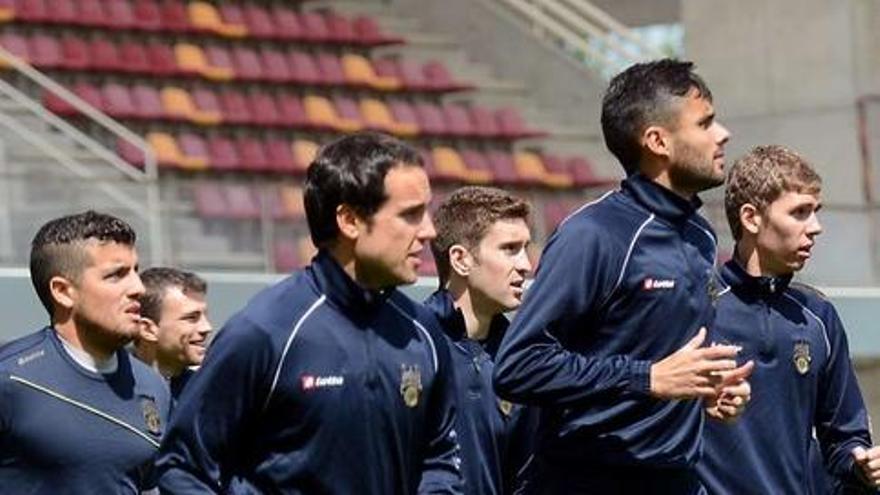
739 280
452 320
659 200
340 288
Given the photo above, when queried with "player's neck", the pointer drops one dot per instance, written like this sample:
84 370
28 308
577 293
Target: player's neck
476 321
756 263
85 340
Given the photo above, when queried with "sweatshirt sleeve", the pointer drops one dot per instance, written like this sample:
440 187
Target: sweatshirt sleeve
211 424
841 415
579 269
441 472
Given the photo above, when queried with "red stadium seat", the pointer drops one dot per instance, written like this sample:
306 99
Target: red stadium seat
31 10
331 69
458 120
194 152
206 101
287 23
403 113
243 202
147 16
232 15
91 13
476 160
161 58
148 103
430 119
16 44
210 201
274 66
118 101
235 107
120 14
252 154
304 68
246 64
412 76
222 65
504 169
105 55
61 11
85 91
174 17
75 54
347 108
45 52
286 255
368 32
130 153
223 153
264 109
280 155
291 111
258 21
386 67
438 78
512 125
582 171
484 121
134 59
314 26
340 28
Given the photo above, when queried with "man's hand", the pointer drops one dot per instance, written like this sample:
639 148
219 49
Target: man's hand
691 372
868 462
734 392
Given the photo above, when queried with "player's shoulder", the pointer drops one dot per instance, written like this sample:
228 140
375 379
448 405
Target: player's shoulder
811 298
21 348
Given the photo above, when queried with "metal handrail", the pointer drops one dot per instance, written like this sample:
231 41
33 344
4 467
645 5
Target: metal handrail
150 173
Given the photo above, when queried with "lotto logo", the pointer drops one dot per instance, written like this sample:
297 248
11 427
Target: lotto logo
310 382
654 284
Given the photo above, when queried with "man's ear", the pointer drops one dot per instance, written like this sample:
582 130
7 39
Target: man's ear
148 330
348 221
63 291
750 218
460 260
657 140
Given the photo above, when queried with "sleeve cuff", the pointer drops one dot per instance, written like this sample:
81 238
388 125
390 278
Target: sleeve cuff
640 377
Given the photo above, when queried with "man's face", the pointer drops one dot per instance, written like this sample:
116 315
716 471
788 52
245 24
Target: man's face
105 295
183 328
501 264
787 232
388 248
697 146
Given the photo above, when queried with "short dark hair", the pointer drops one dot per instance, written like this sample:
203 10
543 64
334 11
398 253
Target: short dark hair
158 280
58 248
761 176
640 96
465 217
351 170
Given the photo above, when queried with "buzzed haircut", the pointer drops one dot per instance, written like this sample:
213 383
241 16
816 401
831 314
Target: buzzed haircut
158 280
351 170
644 94
761 176
466 216
58 248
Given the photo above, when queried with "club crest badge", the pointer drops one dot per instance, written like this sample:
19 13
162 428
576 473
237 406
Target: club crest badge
410 384
506 407
151 416
801 357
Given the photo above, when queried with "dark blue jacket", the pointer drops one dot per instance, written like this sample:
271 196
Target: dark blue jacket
65 429
803 382
319 386
623 282
496 437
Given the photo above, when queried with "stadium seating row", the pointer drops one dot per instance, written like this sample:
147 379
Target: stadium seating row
206 107
189 151
218 63
231 20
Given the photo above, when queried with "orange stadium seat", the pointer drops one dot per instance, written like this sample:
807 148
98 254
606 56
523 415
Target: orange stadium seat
192 60
7 10
322 114
75 53
235 107
133 56
204 17
258 21
120 14
304 152
61 11
223 154
178 104
359 71
169 153
378 116
449 163
530 166
146 15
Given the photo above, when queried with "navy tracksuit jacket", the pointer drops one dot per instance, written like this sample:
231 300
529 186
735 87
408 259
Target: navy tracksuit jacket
496 437
623 282
318 386
803 380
